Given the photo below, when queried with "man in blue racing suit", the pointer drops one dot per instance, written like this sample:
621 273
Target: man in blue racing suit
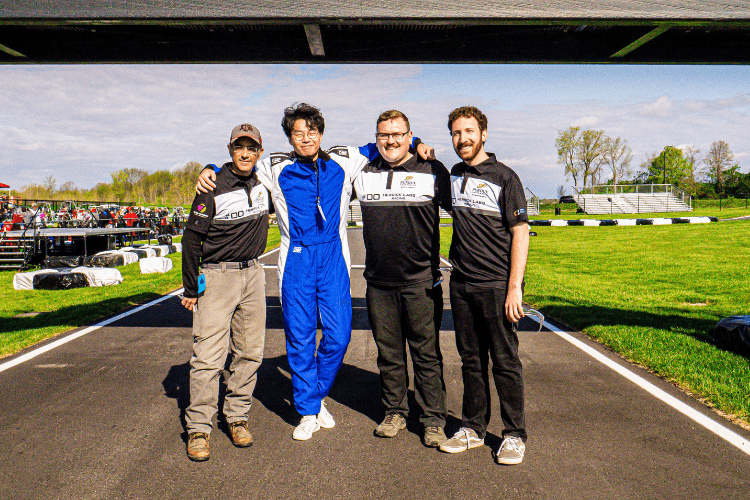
311 189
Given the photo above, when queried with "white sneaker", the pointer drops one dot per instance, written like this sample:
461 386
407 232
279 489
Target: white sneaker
511 451
464 439
306 427
325 419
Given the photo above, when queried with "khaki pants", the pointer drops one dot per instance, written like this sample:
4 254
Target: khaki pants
230 315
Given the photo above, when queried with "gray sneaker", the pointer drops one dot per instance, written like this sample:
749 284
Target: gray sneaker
391 424
433 436
511 451
464 439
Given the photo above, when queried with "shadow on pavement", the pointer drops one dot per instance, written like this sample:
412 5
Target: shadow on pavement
274 388
581 317
78 315
177 386
359 390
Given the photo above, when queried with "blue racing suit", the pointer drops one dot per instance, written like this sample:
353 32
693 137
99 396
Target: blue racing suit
311 201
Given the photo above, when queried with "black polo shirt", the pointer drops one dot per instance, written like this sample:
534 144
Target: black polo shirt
488 200
228 224
400 214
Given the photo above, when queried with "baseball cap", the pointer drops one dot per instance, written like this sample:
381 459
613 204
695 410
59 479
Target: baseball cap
246 130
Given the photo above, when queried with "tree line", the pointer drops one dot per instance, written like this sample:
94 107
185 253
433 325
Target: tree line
589 156
128 184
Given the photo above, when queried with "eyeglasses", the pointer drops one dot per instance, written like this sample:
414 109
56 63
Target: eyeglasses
536 315
396 136
299 134
250 149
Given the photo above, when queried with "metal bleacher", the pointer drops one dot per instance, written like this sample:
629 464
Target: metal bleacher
532 203
632 199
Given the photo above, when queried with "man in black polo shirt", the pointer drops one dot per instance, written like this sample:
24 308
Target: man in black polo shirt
488 254
400 195
225 234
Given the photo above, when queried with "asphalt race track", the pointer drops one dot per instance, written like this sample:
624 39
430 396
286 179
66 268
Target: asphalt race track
102 417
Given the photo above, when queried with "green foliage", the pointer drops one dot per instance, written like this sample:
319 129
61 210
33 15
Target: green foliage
128 184
668 167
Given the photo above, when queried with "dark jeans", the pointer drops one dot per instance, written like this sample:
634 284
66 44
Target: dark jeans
483 331
409 314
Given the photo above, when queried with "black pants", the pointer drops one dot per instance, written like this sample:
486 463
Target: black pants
483 331
409 314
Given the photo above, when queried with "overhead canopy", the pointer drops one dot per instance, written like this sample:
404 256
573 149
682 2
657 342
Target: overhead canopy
573 31
4 186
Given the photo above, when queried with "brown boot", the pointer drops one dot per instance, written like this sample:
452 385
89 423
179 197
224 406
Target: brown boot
197 446
241 436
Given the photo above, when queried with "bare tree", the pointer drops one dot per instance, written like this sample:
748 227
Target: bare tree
617 156
68 187
567 152
591 149
49 184
580 151
691 154
560 191
718 159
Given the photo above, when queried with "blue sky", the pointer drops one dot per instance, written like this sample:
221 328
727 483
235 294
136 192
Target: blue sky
79 123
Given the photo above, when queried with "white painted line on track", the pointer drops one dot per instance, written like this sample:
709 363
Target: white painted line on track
713 426
73 336
270 252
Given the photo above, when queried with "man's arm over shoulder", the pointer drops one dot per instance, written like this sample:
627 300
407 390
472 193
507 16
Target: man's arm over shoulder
442 185
265 173
351 159
207 179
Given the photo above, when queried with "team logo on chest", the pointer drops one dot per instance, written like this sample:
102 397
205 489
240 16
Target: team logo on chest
408 182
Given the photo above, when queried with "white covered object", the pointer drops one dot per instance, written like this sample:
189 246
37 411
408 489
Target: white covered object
178 246
96 276
161 250
25 281
99 276
155 265
129 257
150 252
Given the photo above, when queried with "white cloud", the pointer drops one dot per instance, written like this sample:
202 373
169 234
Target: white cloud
80 123
586 121
659 108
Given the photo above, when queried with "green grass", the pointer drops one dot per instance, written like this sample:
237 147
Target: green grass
64 310
651 294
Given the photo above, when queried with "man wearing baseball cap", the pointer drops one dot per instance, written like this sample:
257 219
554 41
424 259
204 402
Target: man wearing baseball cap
225 234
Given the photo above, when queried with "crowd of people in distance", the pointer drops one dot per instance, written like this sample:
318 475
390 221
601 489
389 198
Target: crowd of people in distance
15 214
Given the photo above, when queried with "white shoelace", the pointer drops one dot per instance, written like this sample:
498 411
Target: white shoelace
512 443
466 435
